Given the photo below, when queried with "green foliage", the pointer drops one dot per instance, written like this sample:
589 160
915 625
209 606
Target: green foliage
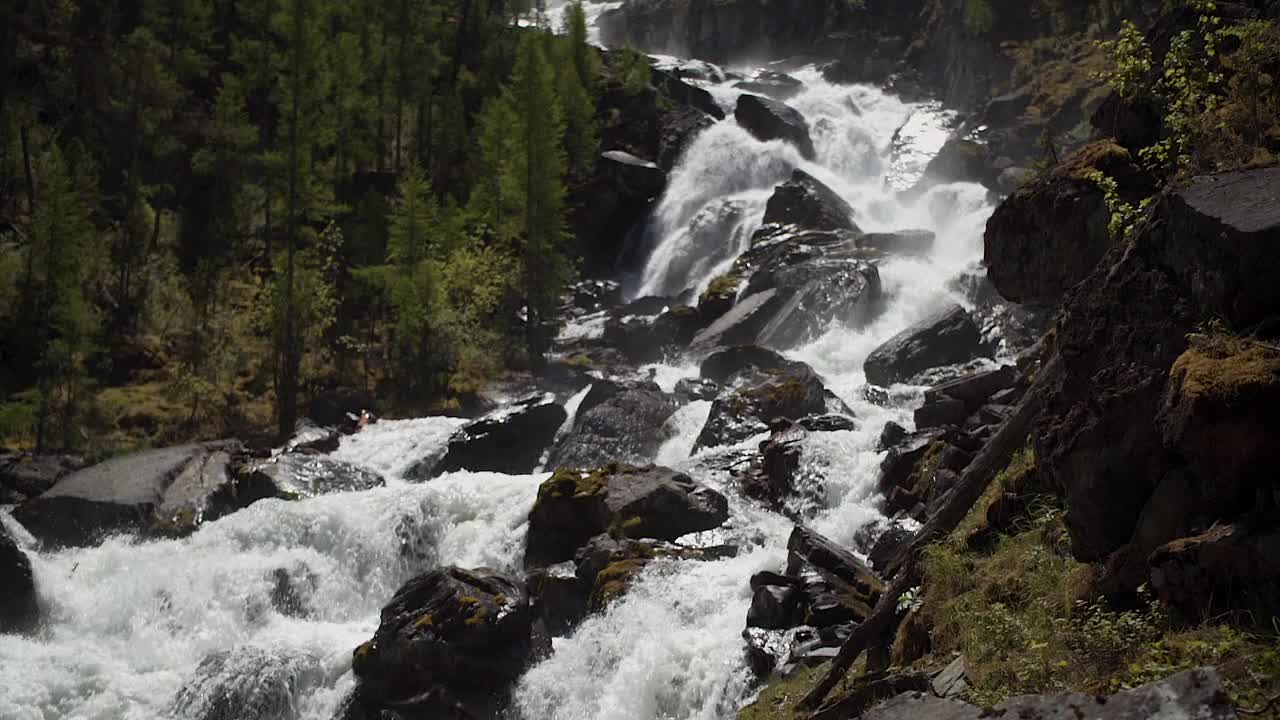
1131 65
979 16
633 70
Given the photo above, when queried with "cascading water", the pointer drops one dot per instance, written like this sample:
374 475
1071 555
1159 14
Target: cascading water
129 623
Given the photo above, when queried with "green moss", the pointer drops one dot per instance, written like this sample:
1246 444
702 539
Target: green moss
780 696
425 622
1225 368
613 581
724 287
571 482
781 391
1099 155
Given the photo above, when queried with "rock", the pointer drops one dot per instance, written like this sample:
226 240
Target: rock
891 435
775 477
620 421
298 475
341 408
959 160
596 294
309 438
510 440
830 422
903 242
974 390
290 590
768 119
607 566
1048 235
635 178
19 606
765 648
775 607
917 706
946 337
23 475
776 85
888 545
645 339
724 365
692 389
952 681
560 598
805 202
1229 568
247 683
760 399
636 502
168 490
449 645
912 641
940 412
846 589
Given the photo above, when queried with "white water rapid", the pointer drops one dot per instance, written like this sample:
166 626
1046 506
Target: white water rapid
128 623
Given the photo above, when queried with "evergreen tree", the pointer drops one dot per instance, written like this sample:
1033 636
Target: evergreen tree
576 76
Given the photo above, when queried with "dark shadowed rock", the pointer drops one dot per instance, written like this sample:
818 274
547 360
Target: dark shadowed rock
449 645
559 597
723 365
636 502
19 608
247 683
839 588
691 389
510 440
775 607
944 338
634 177
763 397
776 85
168 490
1048 235
806 202
310 438
617 421
768 119
23 475
341 408
903 242
1229 568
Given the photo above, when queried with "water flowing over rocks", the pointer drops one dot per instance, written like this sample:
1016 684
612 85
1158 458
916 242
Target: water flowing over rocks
299 475
806 202
618 420
510 439
245 684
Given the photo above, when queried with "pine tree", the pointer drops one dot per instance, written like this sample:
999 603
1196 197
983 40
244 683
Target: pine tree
575 82
413 283
536 172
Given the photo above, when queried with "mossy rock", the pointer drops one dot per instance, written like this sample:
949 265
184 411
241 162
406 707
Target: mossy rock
614 580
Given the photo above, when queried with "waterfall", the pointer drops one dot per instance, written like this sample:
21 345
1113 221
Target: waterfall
129 622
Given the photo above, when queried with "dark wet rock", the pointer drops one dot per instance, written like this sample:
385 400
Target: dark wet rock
606 566
768 119
776 85
775 607
620 421
762 397
636 502
168 490
959 160
1192 694
944 338
891 435
766 648
298 475
940 412
1049 234
341 408
650 338
974 390
841 588
777 478
806 202
449 645
892 539
19 606
560 598
724 365
903 242
24 475
634 177
831 422
690 389
596 294
510 440
291 588
309 438
247 683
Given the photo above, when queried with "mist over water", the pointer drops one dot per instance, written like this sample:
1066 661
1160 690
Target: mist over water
129 623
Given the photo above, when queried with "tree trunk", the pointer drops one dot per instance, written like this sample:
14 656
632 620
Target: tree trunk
905 567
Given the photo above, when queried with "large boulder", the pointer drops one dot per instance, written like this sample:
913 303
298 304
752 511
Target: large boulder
167 490
341 408
635 178
301 475
247 683
776 85
1228 568
839 587
617 420
19 608
636 502
761 398
1205 253
768 119
509 440
23 475
808 203
946 337
449 645
1049 235
799 282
